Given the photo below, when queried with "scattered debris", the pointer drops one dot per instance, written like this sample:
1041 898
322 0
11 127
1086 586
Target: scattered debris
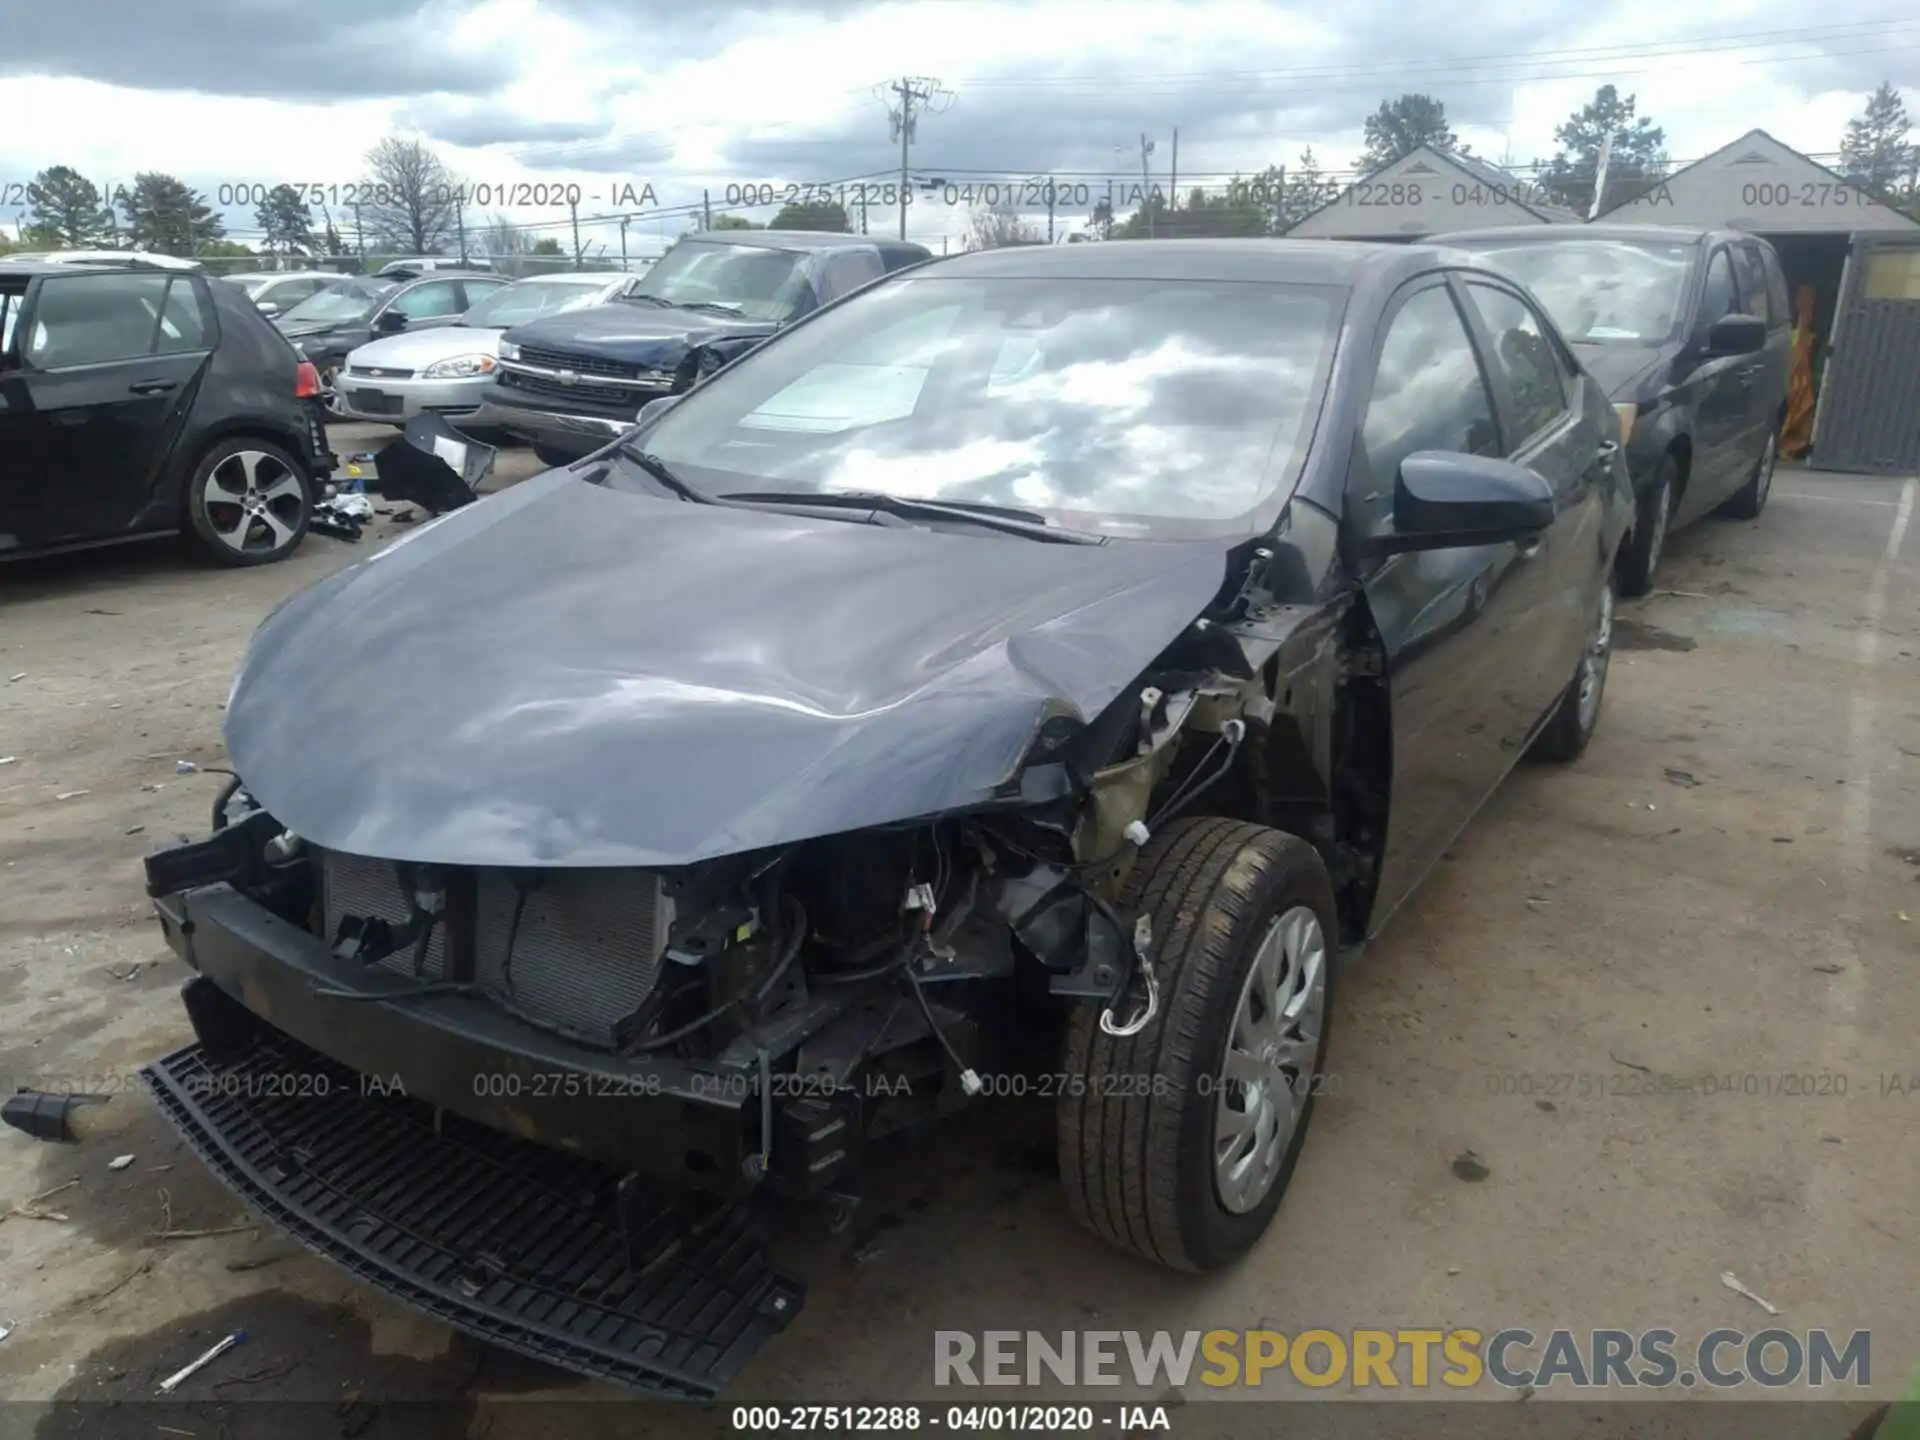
173 1381
1628 1063
8 759
120 1162
1732 1282
1683 778
1467 1166
133 972
1685 594
21 676
45 1115
1826 969
5 1330
185 767
1831 1140
29 1209
1453 1269
260 1262
1545 1105
1782 840
403 517
135 829
151 788
72 794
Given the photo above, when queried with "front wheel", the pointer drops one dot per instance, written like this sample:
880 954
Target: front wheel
1653 514
1750 499
1577 715
1178 1142
248 502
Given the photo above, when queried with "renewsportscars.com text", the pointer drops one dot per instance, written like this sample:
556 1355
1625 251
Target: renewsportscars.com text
1457 1359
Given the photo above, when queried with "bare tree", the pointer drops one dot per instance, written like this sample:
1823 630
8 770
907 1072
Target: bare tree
414 199
989 229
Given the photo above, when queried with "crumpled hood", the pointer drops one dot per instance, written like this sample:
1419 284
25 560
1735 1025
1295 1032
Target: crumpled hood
421 348
636 334
567 675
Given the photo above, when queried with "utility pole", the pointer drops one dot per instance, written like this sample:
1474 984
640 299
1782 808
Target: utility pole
706 209
573 209
625 220
1049 210
359 235
1146 182
863 209
916 95
1173 180
460 229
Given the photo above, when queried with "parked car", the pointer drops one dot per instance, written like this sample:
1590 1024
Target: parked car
1058 657
409 266
571 383
331 324
1691 331
115 259
448 369
138 402
274 291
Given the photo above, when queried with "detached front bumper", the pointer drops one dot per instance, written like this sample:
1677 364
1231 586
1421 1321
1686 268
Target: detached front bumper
579 432
462 1054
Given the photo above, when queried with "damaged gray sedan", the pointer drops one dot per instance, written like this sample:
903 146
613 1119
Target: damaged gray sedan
1047 662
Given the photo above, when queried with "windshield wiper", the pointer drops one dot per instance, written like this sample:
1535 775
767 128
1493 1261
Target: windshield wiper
714 305
660 471
1003 518
650 299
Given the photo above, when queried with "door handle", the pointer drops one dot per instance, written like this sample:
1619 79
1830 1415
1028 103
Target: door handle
153 387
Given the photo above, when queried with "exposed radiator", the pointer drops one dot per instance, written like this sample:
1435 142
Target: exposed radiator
585 954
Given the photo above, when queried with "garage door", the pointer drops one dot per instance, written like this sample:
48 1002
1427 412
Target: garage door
1868 421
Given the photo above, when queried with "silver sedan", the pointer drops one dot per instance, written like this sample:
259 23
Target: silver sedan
446 371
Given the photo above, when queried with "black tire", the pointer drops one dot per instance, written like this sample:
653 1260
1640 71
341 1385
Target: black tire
1571 730
1136 1144
1653 513
1750 499
214 523
551 457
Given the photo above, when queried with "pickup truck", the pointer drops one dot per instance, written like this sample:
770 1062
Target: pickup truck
572 383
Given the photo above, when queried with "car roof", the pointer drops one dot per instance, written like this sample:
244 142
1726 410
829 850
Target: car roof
798 239
604 277
1676 234
1341 263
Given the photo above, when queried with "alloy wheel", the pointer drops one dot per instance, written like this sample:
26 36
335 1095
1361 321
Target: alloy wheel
1272 1048
253 502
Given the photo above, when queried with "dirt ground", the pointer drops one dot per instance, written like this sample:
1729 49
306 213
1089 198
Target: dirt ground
1727 885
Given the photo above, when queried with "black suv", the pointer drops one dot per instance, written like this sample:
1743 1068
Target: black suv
570 383
1691 333
136 401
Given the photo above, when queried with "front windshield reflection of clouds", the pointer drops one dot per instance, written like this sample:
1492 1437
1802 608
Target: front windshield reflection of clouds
1116 405
343 300
759 283
1603 291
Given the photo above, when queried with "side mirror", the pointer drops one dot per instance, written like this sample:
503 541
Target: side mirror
656 407
268 308
1447 501
391 320
1736 335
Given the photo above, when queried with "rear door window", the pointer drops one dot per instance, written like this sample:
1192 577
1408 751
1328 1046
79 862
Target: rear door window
183 320
92 319
848 270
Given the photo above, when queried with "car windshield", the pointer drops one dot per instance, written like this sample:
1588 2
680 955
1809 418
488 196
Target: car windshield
342 302
1603 292
757 283
1134 408
529 300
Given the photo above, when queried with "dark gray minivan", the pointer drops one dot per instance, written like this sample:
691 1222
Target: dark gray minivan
1691 333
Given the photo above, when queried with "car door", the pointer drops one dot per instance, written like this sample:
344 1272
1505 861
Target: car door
1764 376
107 361
1445 616
1537 396
1720 391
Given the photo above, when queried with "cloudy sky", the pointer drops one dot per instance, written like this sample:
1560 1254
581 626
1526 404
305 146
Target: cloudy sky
721 94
